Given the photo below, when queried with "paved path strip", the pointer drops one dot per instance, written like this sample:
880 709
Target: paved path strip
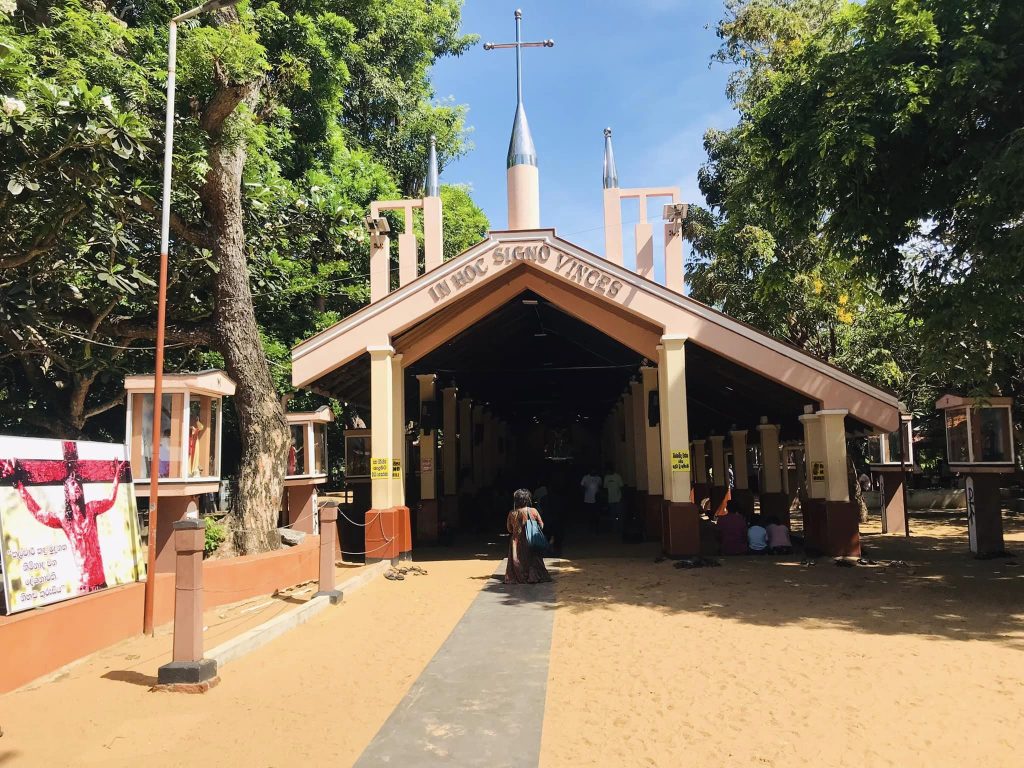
480 700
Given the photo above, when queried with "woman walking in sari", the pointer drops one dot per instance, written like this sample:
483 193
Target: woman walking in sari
525 564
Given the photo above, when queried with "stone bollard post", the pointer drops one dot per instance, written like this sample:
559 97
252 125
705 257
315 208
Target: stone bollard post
188 671
328 530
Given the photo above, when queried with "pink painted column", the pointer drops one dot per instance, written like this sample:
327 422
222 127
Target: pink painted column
328 531
188 671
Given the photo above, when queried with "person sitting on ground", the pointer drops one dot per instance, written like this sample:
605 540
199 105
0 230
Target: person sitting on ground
778 537
757 538
732 534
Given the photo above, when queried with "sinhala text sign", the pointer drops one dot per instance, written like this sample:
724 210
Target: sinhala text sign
68 520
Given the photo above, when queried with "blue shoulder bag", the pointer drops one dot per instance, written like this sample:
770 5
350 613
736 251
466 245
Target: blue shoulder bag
534 535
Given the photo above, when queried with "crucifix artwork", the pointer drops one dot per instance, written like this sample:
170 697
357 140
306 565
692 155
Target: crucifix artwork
78 518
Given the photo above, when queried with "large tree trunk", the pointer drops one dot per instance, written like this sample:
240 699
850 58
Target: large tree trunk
261 419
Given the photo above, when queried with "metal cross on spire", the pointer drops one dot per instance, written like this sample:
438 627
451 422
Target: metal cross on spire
519 45
521 150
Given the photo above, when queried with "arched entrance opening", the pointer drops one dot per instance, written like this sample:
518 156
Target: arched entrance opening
526 353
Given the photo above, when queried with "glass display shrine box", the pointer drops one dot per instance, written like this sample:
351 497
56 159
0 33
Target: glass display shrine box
890 459
979 444
307 468
189 445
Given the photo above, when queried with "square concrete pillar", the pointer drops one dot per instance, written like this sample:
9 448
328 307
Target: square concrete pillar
774 502
398 469
328 533
428 520
719 476
629 455
301 505
188 670
450 456
382 430
681 517
894 511
742 496
701 486
653 464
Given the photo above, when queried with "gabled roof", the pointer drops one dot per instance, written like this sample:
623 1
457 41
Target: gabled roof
634 310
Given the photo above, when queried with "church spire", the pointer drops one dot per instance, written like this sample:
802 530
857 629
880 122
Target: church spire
611 176
522 175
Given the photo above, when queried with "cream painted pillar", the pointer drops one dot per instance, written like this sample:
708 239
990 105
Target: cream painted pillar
523 196
450 450
382 431
833 434
465 435
814 454
629 476
718 474
652 434
644 244
380 267
398 427
619 440
613 226
636 390
428 442
433 233
407 261
771 476
784 467
700 467
674 419
739 458
478 448
674 257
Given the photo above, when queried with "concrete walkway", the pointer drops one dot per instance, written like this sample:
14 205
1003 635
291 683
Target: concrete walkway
480 700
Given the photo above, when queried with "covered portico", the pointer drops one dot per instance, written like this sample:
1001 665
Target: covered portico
656 380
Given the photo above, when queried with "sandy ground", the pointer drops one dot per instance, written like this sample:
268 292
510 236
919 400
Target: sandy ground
315 696
758 662
765 662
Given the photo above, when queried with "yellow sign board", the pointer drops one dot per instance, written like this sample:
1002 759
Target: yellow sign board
378 469
818 471
396 469
680 461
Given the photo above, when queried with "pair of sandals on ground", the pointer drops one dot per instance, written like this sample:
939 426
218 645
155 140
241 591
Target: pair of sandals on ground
399 573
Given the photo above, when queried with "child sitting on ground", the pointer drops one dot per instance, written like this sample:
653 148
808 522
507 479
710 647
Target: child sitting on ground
757 538
778 538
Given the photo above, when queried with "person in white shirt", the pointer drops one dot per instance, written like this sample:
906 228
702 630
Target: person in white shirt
613 487
591 484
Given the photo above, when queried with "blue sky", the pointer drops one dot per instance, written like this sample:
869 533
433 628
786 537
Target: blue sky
638 66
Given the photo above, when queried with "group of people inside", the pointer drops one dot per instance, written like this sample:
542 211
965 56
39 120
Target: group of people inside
733 534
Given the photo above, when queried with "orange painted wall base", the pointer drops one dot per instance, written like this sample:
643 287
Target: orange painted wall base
682 529
653 504
832 527
300 507
42 640
388 531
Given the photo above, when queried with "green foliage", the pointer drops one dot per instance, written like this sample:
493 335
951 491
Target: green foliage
464 224
891 134
341 114
215 535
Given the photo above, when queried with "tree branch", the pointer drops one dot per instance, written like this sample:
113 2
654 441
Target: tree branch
200 335
197 237
104 407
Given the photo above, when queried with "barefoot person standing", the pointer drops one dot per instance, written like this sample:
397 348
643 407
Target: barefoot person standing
525 564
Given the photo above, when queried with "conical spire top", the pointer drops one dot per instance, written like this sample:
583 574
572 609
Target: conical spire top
433 185
611 175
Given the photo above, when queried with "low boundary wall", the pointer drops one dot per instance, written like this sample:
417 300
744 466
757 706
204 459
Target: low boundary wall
42 640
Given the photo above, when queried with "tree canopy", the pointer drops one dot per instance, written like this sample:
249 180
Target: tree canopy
867 205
